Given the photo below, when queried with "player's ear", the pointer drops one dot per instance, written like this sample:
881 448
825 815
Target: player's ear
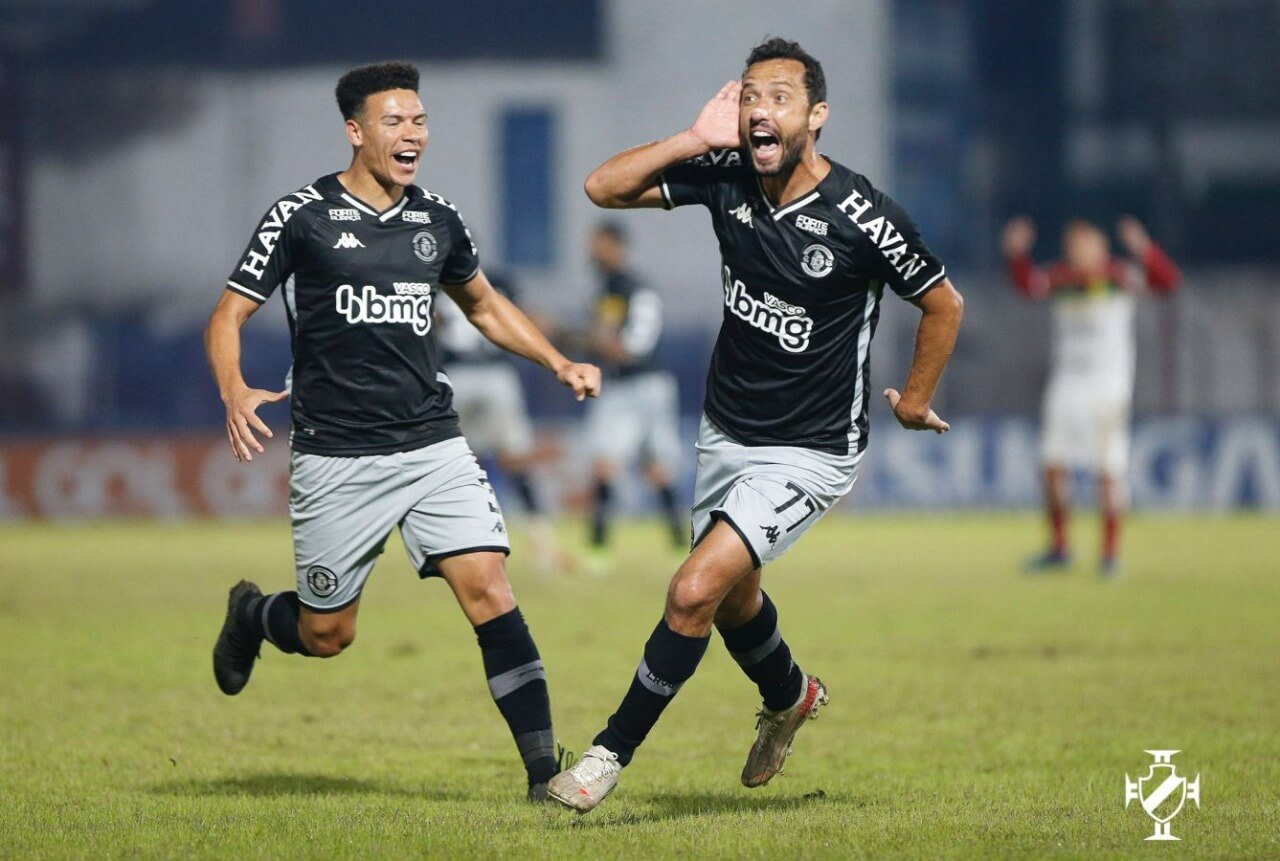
817 116
355 134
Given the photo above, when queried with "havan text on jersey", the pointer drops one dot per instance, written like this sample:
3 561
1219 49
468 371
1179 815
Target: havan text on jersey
255 259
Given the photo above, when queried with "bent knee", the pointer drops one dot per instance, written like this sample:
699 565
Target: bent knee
327 643
692 595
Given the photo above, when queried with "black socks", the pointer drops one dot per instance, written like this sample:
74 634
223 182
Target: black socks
275 617
669 660
518 683
759 649
528 495
600 500
671 514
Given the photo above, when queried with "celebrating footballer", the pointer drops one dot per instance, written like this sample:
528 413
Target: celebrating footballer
807 248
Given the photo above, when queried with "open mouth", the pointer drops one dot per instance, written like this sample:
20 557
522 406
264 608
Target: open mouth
406 158
764 144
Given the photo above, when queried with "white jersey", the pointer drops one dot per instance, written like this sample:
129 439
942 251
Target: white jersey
1093 339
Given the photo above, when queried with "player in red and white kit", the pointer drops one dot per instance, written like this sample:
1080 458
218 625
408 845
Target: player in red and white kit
1087 403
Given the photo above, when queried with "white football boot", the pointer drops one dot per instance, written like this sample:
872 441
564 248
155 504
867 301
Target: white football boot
589 782
776 731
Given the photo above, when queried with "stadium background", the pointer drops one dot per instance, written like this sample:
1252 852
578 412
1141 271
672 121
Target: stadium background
143 139
975 713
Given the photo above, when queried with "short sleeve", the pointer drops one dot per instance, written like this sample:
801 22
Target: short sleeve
695 181
906 263
270 257
463 261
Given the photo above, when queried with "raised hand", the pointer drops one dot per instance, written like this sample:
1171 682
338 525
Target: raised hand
242 421
1134 236
914 417
717 122
1018 238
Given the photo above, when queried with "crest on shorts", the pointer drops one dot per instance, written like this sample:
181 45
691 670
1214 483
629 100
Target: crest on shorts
321 581
425 247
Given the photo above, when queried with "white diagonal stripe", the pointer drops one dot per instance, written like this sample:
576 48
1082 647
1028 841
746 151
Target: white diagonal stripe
512 680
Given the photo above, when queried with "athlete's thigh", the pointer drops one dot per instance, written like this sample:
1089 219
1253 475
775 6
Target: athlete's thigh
342 509
454 509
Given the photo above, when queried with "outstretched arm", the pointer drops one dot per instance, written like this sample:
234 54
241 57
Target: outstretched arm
1161 275
629 179
941 311
222 345
499 320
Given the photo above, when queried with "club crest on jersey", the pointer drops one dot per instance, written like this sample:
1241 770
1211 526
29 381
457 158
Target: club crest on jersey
425 247
411 305
817 261
790 324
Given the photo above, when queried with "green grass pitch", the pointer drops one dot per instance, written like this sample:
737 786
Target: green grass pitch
974 712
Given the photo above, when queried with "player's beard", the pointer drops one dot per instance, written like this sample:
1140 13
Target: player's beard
792 153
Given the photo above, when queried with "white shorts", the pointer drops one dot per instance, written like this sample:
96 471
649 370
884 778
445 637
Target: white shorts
636 417
1085 426
770 495
490 404
343 509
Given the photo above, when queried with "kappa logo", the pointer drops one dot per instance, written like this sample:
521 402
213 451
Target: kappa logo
771 534
344 215
817 261
743 214
348 240
812 225
1162 793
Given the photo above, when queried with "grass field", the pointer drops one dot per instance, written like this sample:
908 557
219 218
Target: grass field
974 712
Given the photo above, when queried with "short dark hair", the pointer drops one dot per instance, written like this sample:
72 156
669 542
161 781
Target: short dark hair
358 84
776 48
614 230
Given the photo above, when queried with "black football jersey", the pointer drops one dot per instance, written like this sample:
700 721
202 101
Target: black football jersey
802 286
358 292
635 310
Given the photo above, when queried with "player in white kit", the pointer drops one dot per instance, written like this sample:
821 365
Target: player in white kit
1087 403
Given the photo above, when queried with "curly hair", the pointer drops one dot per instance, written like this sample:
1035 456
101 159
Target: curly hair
358 84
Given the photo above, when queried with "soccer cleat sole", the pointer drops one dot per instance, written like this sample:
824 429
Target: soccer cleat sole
815 698
232 679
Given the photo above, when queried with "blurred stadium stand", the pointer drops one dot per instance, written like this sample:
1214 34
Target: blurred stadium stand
145 138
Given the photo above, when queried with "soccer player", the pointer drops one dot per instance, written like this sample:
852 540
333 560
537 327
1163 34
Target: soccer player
375 442
1086 411
808 247
639 414
489 400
